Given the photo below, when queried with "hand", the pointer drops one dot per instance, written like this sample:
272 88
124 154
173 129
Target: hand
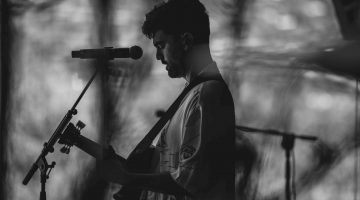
111 168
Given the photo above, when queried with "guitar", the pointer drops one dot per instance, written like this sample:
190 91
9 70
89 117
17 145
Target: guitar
139 162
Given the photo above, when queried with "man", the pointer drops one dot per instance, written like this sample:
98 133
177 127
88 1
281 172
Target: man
194 158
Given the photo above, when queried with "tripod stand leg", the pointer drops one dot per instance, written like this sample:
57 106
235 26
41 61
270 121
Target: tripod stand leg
287 175
43 182
45 170
288 143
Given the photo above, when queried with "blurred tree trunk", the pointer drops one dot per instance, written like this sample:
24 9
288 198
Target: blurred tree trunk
4 89
94 186
245 151
236 10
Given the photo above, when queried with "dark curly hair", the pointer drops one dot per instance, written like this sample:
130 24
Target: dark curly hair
179 16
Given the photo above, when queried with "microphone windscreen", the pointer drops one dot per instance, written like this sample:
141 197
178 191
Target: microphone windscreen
135 52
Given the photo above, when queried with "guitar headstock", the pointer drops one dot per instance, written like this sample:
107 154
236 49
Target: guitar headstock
70 135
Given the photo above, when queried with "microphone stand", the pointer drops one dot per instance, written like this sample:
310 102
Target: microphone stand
41 162
287 143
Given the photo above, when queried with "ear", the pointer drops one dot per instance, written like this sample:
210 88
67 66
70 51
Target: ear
187 40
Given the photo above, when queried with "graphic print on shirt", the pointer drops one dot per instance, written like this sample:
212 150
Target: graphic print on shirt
187 151
191 140
170 158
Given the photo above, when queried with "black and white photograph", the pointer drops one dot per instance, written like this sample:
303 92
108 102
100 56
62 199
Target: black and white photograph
180 100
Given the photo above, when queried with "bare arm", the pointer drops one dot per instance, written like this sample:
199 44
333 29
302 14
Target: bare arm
113 168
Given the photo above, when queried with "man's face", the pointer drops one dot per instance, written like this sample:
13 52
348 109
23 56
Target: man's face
169 51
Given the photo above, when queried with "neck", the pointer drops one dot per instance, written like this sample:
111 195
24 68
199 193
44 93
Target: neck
198 57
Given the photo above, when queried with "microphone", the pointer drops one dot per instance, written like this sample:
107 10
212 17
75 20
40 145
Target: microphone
134 52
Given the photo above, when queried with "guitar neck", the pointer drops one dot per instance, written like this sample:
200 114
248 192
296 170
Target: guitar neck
92 148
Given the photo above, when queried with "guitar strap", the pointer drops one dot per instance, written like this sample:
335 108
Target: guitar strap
146 142
133 193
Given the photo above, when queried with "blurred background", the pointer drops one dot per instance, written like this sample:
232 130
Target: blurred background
291 65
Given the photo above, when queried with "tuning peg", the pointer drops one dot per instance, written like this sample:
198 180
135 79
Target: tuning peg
67 150
80 124
63 149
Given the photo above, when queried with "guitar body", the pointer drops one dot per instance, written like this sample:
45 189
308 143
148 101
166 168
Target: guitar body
138 163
